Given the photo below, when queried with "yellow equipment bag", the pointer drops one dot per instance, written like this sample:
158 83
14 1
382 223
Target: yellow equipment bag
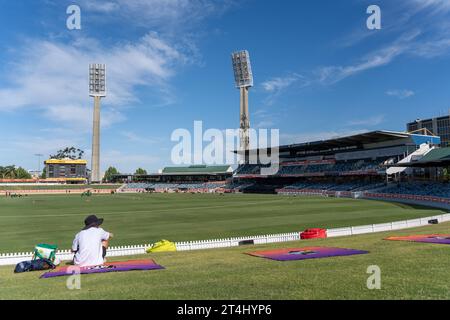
162 246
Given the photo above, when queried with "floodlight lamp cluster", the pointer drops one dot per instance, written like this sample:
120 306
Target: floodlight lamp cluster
97 80
242 69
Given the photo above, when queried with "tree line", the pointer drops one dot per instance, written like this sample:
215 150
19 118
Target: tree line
111 171
13 172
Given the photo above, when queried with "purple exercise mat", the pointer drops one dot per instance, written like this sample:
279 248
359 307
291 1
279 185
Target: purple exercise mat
109 267
424 238
305 253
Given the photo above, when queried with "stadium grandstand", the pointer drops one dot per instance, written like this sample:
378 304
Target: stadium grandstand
386 162
380 164
197 178
368 161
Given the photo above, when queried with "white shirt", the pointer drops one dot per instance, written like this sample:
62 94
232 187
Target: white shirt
88 244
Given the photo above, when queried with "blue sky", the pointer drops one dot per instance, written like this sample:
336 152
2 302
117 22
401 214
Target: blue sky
319 72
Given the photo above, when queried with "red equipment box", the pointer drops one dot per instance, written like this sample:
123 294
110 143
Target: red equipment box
313 234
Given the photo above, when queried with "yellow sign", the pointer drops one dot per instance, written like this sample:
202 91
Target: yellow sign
65 161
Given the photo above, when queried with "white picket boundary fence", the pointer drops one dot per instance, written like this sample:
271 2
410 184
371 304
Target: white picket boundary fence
120 251
234 242
381 227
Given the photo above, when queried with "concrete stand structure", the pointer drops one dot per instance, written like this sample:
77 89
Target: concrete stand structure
97 89
244 80
244 121
95 163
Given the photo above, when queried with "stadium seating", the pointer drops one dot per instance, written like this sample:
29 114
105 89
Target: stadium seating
174 186
431 189
320 168
248 169
435 189
237 186
348 186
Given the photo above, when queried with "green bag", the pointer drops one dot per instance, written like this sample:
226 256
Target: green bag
45 251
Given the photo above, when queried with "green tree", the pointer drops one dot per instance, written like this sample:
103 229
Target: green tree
11 172
8 172
141 172
44 173
109 174
446 174
69 152
21 173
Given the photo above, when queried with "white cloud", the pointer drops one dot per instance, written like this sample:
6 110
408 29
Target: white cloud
49 77
101 7
133 137
279 83
275 86
53 77
434 6
381 57
168 14
79 118
409 43
371 121
432 48
422 31
401 94
266 119
332 74
265 124
23 147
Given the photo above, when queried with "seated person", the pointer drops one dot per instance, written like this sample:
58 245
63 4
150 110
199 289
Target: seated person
90 244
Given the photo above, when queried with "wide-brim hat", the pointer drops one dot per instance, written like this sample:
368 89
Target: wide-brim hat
92 221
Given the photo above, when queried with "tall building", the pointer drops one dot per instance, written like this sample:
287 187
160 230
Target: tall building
438 126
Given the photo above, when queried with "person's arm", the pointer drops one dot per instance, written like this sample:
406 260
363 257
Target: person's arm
106 235
75 244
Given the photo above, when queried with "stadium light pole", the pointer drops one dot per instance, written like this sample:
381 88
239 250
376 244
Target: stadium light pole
39 155
244 81
97 89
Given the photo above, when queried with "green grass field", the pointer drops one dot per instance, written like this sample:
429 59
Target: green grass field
146 218
409 270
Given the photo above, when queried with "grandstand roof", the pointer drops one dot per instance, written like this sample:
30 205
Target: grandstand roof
435 158
358 140
200 169
350 141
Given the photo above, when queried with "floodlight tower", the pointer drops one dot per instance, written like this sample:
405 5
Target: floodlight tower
244 80
97 89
